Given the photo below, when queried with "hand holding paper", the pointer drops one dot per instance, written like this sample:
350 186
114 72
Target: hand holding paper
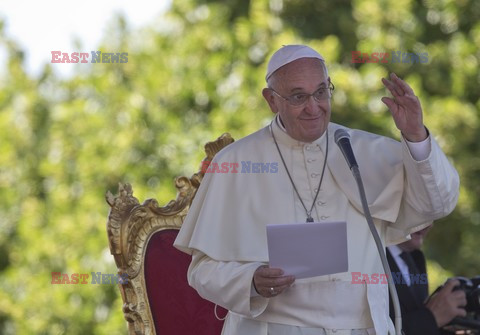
270 282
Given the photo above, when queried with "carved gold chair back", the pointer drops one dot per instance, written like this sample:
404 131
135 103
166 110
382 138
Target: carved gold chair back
154 289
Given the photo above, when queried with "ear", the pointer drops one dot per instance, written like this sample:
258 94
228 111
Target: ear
269 97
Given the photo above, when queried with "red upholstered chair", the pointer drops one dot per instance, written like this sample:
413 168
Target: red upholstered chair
157 298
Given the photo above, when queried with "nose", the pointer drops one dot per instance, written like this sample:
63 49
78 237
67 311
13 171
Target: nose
311 106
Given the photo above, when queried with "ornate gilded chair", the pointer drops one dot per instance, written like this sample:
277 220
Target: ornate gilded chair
153 283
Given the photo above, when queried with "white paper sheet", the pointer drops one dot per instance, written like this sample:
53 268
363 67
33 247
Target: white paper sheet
308 249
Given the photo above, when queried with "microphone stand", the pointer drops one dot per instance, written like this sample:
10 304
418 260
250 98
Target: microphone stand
381 250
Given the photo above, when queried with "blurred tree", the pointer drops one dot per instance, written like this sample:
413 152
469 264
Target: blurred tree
195 73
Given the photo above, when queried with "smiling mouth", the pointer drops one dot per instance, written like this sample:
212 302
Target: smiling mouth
311 119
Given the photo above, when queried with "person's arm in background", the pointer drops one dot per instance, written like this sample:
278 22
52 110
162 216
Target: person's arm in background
420 322
437 312
447 303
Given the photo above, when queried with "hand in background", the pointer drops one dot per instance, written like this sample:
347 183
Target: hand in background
447 304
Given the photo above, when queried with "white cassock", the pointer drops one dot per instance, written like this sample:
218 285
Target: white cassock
225 226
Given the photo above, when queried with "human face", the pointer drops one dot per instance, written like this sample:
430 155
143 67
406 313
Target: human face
416 241
309 121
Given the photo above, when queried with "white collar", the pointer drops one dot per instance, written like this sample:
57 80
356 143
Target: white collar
395 250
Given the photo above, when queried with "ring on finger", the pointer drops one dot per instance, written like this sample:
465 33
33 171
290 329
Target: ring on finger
272 290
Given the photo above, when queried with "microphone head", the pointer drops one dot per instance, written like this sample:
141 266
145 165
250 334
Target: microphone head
342 138
341 133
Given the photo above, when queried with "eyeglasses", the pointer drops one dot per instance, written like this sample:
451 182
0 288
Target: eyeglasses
299 99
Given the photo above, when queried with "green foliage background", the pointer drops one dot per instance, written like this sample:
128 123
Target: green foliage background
194 74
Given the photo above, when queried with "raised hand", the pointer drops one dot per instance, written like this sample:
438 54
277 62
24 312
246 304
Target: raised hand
405 108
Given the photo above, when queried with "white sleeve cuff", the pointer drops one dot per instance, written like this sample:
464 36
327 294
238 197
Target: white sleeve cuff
253 291
419 150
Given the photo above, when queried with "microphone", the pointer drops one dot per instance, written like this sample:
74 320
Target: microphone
342 138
